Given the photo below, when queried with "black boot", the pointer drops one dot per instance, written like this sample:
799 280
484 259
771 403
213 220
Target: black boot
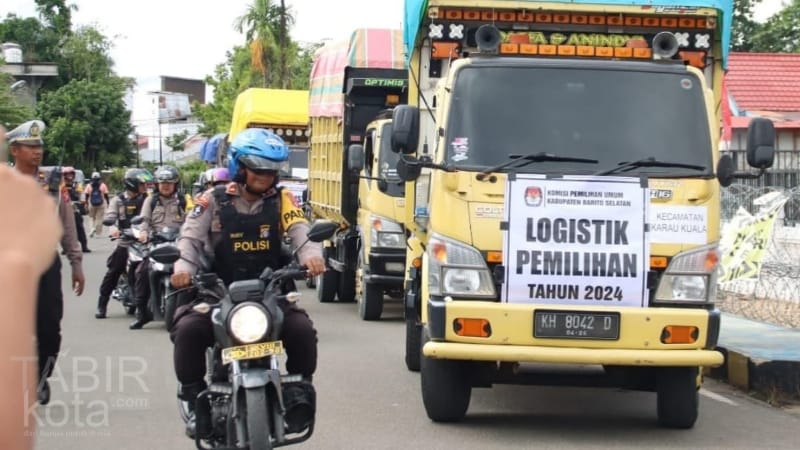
143 316
43 392
102 304
199 422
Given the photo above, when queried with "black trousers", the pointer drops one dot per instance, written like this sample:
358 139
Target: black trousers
141 286
193 332
81 230
116 263
49 311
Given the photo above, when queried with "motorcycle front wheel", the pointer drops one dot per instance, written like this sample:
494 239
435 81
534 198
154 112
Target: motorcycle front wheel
254 409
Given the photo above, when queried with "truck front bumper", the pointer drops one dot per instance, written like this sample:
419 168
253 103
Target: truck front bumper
387 267
512 336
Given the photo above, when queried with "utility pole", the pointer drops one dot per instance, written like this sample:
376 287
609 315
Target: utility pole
160 154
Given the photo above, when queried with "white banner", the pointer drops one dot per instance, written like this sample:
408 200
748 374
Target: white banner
676 224
576 241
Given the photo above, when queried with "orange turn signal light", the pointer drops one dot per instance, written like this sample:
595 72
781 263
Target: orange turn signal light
679 334
472 327
494 257
658 262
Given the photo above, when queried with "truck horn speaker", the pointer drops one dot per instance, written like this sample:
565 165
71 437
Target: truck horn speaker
488 39
665 45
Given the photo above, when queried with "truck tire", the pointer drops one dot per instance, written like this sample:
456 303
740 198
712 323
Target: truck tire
677 397
327 283
413 343
347 286
370 298
446 390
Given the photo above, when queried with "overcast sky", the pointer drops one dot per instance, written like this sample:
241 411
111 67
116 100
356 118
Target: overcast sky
188 38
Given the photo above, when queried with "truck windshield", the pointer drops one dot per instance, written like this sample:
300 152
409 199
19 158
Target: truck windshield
387 163
607 115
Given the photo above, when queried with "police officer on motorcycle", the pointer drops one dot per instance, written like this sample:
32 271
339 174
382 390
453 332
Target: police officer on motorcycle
244 222
166 208
121 210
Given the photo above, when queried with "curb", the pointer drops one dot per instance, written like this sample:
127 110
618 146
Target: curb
774 380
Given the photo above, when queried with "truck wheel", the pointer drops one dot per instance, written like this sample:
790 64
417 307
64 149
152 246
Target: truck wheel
370 302
327 283
446 390
677 396
347 286
370 295
413 343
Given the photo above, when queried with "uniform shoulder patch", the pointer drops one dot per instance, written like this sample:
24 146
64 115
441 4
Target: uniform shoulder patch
200 205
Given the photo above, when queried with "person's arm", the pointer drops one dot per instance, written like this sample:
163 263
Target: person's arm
112 213
29 233
196 230
294 222
72 246
104 190
147 214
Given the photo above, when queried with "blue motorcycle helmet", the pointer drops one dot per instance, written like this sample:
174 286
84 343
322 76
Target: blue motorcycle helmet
257 149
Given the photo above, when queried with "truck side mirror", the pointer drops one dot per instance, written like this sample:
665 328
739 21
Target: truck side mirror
726 170
355 158
760 143
405 129
408 169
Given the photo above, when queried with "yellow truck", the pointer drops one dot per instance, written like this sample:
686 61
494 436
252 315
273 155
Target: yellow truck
562 194
285 113
352 176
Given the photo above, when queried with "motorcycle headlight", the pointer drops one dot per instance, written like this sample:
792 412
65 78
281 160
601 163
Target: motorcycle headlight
386 233
248 323
691 277
457 270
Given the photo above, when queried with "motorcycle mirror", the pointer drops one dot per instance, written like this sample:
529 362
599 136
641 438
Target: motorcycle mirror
166 254
322 230
266 274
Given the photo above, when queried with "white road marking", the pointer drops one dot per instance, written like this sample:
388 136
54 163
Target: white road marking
717 397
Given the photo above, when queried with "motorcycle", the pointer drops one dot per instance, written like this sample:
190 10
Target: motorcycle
249 402
137 251
162 302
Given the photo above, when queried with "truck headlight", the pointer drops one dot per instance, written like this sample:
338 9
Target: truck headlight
386 233
248 323
457 270
691 277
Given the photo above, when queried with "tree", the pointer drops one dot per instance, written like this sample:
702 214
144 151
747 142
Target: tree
88 124
266 28
39 43
780 32
11 112
744 26
85 55
57 14
229 79
176 141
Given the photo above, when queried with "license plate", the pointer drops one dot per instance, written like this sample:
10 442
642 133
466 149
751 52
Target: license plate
251 351
575 325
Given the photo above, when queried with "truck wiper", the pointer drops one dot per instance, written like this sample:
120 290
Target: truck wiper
648 162
524 160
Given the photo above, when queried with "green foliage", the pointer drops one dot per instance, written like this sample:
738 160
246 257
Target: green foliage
780 32
266 27
88 124
39 43
175 142
229 79
190 172
57 14
744 27
11 112
85 55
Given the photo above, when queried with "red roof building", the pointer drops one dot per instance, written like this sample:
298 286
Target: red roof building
764 81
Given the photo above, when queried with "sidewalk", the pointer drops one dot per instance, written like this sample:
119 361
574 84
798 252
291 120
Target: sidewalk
761 357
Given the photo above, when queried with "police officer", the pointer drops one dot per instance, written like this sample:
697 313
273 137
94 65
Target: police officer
165 208
243 222
75 190
121 210
26 147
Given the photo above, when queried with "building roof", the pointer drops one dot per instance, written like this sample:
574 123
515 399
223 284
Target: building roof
764 81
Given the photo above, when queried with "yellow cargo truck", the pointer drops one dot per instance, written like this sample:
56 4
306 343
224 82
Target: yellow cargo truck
285 113
351 177
563 195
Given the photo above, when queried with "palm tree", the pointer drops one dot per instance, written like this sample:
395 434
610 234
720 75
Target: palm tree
266 28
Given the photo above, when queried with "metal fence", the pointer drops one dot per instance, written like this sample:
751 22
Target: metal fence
775 295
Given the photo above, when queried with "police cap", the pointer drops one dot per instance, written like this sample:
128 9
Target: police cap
29 133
